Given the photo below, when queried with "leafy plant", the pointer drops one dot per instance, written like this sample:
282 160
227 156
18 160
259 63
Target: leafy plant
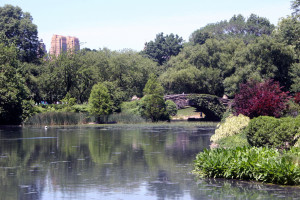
232 126
255 99
249 163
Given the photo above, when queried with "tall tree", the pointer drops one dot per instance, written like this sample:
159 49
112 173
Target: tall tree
264 59
17 28
15 104
163 47
288 31
152 104
100 103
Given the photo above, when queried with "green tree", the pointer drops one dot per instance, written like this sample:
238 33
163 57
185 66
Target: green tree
61 75
236 27
153 86
296 7
152 105
15 103
263 59
258 26
129 71
201 68
17 28
171 108
288 31
100 104
163 47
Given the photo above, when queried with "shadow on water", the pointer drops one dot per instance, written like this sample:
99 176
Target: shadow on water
115 162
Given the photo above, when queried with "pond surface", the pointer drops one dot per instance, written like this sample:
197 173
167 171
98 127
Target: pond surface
115 162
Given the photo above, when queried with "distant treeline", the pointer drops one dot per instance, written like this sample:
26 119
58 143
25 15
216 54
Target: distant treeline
215 60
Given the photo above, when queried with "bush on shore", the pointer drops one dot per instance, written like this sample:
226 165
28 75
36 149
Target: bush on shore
250 163
269 131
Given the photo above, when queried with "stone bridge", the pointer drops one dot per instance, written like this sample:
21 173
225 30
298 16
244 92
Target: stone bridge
212 106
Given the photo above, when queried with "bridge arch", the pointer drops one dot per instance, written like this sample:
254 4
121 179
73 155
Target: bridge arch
212 106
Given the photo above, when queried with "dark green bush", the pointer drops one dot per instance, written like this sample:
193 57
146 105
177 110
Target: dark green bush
273 132
250 163
171 107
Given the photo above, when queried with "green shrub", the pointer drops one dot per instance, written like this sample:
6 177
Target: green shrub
273 132
232 126
171 107
249 163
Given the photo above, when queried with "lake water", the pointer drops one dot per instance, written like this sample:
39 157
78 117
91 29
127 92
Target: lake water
115 162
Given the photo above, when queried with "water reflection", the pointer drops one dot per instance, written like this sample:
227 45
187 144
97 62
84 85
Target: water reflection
114 162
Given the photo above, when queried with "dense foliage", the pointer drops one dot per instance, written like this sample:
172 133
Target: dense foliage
216 60
256 99
17 28
236 27
209 104
259 164
15 103
273 132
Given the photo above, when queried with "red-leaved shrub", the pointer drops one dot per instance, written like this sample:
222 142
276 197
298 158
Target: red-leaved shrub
255 99
297 98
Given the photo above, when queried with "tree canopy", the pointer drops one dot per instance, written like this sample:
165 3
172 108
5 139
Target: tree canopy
17 28
236 27
163 47
15 104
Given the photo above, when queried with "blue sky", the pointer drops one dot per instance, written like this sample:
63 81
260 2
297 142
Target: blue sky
118 24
